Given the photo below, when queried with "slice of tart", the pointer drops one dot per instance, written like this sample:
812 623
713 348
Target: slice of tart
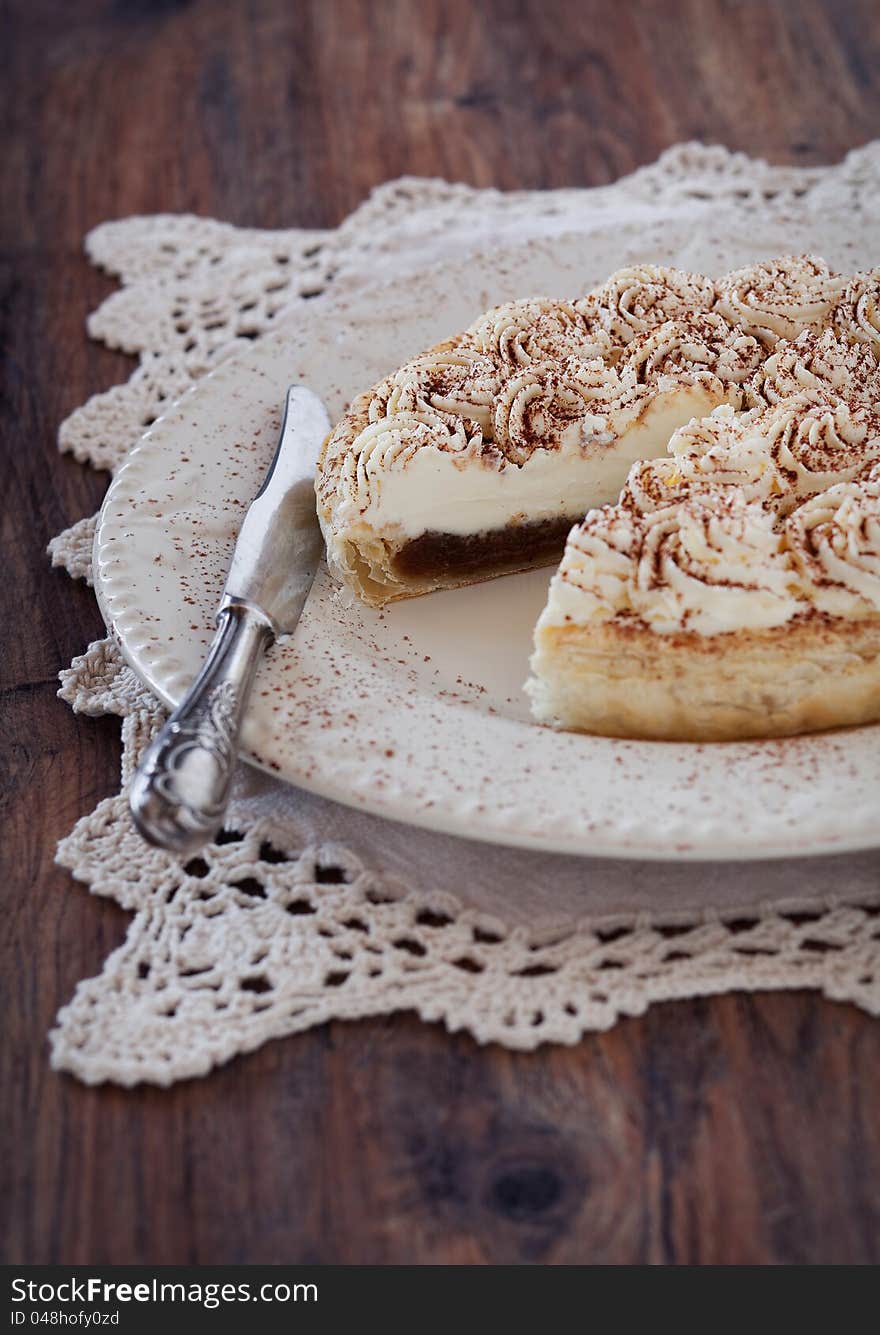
731 589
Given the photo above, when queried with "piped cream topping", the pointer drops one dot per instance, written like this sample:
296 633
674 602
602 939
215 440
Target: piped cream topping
637 299
523 416
712 562
781 298
834 539
557 405
538 329
775 513
798 447
710 452
703 347
857 317
820 365
744 413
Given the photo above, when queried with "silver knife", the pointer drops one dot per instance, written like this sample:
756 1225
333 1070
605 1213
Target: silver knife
179 794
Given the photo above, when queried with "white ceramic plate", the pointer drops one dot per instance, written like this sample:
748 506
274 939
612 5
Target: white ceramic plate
418 713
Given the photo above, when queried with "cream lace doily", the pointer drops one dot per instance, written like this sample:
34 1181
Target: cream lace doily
304 911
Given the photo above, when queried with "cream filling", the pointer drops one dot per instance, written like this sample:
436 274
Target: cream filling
438 491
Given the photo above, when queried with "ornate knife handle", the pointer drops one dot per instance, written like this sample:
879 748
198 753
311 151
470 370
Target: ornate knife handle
179 794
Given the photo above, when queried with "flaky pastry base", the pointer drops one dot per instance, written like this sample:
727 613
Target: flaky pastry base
626 680
366 563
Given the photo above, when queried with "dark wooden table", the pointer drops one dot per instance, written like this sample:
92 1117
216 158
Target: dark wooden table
734 1130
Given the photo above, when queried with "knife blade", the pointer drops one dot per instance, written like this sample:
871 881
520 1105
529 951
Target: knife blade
279 545
180 791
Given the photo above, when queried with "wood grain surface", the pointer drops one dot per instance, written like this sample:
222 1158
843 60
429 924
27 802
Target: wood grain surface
732 1130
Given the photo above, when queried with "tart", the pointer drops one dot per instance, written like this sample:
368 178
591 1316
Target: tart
721 438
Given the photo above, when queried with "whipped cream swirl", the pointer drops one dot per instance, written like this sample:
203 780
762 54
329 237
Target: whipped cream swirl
857 318
835 543
783 453
781 298
705 458
594 581
813 446
655 484
712 564
452 382
390 443
703 347
637 299
820 365
537 329
550 403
